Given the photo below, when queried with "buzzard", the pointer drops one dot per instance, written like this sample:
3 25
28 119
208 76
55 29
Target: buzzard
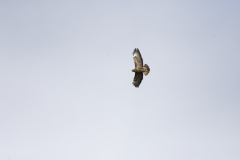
139 68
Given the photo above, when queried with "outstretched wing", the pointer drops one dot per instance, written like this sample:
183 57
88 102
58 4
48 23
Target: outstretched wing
137 79
137 58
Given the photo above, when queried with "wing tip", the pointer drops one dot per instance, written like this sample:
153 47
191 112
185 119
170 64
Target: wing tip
137 86
137 79
136 50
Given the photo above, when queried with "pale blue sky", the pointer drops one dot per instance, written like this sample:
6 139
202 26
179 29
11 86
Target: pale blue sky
66 82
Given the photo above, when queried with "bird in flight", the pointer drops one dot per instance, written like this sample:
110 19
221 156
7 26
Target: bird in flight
139 68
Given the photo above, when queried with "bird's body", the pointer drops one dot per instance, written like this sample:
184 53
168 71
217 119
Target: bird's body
139 69
145 69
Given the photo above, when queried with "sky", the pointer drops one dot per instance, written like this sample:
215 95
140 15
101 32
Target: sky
66 83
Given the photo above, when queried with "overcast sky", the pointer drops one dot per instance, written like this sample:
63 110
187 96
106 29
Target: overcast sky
66 83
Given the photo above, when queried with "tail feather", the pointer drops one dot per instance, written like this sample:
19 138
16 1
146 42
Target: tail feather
147 69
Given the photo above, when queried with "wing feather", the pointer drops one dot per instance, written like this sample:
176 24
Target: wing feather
137 58
137 79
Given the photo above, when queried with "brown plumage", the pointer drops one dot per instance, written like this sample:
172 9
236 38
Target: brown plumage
139 69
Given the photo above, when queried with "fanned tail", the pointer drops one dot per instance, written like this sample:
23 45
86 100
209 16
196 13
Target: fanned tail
147 69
